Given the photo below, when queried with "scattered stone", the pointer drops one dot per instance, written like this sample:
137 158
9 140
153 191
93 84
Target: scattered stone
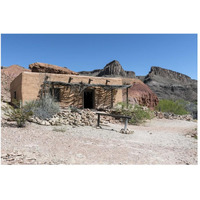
171 116
126 132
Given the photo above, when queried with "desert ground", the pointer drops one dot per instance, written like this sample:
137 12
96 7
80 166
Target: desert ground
158 141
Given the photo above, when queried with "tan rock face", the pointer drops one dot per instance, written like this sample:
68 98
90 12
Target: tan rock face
48 68
140 93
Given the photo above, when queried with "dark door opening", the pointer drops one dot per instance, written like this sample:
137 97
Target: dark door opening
89 99
55 93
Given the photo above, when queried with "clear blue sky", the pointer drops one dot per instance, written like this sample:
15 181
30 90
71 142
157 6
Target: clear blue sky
82 52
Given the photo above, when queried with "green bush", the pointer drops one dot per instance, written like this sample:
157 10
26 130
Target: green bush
175 107
137 113
17 112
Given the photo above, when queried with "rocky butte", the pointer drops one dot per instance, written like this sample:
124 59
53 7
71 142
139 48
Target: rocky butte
112 69
168 84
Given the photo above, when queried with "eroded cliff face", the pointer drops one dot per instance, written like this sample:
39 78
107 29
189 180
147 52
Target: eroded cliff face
168 84
112 69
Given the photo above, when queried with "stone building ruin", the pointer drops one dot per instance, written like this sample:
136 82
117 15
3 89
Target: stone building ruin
81 91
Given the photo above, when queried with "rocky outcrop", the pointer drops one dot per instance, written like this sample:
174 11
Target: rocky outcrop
8 74
48 68
168 84
112 69
140 94
90 73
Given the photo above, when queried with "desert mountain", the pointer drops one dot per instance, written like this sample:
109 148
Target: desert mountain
168 84
112 69
8 74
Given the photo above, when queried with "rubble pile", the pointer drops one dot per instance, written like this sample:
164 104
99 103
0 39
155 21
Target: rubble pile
85 117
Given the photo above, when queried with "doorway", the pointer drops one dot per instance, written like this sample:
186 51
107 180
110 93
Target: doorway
55 93
89 99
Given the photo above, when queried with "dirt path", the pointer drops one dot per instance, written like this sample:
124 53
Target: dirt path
159 141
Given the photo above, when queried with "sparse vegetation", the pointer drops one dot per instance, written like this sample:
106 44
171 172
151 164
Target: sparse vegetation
18 112
176 107
138 113
45 107
61 129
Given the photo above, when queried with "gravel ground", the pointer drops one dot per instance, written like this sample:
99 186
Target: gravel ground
159 141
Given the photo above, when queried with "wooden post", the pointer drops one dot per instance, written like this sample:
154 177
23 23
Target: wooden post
126 97
111 98
126 124
52 90
70 78
98 120
90 80
107 81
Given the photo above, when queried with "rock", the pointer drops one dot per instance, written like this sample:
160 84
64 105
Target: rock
42 122
47 123
188 136
126 132
48 68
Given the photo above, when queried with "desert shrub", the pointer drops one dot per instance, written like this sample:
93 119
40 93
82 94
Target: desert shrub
190 107
137 113
45 107
18 112
59 129
140 115
73 109
170 106
122 106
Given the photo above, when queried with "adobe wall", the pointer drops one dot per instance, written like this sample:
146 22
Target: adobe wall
30 86
16 86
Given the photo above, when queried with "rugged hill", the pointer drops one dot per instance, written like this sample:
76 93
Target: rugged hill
8 74
140 93
112 69
168 84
